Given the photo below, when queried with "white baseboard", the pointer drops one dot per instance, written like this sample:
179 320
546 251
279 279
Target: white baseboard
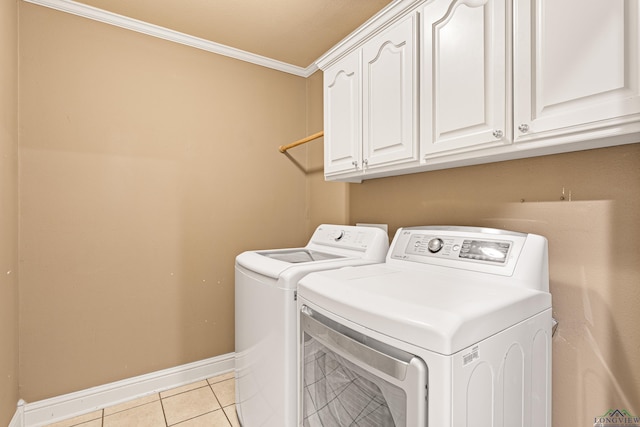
81 402
18 417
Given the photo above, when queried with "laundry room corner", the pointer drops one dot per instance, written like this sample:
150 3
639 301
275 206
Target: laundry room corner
9 131
162 165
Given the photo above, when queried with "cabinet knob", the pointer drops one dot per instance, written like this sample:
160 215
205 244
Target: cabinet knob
355 164
498 134
523 128
365 162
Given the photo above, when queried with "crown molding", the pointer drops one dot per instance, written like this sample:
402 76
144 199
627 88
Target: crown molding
100 15
385 18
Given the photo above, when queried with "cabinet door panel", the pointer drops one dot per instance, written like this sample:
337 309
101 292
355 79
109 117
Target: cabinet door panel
463 69
389 96
575 64
460 97
342 116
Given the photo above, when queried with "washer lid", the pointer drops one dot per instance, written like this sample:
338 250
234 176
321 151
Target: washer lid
295 256
330 246
441 310
274 263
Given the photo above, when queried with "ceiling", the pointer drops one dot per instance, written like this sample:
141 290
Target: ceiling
296 32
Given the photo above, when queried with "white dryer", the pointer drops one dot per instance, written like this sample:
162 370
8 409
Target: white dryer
453 330
266 316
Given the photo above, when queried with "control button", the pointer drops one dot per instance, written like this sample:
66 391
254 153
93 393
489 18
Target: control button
435 245
339 236
456 248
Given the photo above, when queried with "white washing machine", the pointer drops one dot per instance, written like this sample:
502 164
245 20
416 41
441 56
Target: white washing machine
266 316
453 330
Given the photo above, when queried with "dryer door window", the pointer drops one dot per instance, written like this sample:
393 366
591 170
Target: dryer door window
351 379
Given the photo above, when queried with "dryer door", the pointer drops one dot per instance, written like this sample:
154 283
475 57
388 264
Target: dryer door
351 379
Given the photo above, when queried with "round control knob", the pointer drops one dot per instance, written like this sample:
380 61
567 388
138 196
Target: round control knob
435 245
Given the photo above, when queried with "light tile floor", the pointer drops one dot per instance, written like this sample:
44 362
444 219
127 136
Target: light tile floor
207 403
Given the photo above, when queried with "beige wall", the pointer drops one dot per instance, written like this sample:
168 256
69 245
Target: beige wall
8 210
146 167
594 241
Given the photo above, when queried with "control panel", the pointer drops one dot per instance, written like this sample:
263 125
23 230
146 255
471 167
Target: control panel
468 248
348 237
459 247
342 237
438 250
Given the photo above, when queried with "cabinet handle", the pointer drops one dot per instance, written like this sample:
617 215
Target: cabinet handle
365 162
523 128
498 134
355 164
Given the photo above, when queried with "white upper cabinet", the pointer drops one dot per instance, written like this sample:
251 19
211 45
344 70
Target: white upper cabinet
433 84
463 56
390 96
576 67
343 116
370 104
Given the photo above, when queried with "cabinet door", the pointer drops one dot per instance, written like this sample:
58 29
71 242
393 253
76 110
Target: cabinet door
342 116
463 82
575 66
389 96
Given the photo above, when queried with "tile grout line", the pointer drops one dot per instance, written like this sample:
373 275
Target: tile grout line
164 414
192 418
128 409
220 404
208 384
200 415
183 392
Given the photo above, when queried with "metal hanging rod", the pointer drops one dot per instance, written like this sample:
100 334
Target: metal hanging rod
284 148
